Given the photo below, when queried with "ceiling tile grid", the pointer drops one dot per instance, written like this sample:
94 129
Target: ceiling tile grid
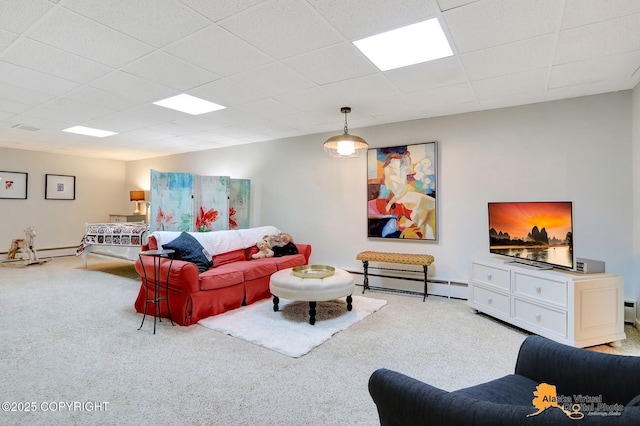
284 68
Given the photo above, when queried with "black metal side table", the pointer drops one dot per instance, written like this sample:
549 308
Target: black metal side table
156 298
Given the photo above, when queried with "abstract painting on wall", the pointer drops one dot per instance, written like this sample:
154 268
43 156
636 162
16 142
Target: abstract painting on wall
402 187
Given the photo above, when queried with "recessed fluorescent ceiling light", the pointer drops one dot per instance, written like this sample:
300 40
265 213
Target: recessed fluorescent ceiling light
189 104
89 131
413 44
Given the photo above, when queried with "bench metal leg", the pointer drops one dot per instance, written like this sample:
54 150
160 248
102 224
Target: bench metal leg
425 283
365 267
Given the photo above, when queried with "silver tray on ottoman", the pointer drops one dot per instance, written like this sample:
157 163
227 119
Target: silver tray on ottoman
313 271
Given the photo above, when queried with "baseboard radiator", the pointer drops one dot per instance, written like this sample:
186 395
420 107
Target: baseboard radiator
414 282
57 251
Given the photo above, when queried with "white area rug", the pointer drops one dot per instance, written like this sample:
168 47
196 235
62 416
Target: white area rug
288 331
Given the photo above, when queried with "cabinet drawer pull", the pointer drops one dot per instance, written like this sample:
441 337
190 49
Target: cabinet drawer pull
489 300
489 277
538 317
539 289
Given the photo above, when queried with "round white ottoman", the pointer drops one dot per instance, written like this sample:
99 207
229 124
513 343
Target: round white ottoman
288 286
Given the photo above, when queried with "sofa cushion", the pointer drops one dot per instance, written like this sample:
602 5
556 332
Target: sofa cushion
190 250
291 261
229 257
217 278
251 270
510 390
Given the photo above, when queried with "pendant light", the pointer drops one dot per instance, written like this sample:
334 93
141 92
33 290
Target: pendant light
346 145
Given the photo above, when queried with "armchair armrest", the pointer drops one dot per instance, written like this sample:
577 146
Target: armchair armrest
577 371
405 401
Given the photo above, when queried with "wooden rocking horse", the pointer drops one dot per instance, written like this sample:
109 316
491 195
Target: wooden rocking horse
24 246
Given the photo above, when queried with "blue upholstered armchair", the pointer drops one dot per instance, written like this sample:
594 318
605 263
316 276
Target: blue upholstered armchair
510 400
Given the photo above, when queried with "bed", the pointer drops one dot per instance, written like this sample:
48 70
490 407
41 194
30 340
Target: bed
119 240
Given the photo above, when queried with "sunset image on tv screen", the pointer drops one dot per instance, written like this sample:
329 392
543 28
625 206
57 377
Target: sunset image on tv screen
538 231
518 219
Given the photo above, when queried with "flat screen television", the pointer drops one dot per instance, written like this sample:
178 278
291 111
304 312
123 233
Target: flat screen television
539 234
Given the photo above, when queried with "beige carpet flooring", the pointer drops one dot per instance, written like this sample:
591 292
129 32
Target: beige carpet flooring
70 335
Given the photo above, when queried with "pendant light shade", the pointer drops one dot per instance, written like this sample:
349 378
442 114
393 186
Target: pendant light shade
345 145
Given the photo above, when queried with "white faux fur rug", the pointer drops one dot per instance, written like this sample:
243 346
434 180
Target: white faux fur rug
288 331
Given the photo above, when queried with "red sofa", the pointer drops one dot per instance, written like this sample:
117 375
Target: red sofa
235 279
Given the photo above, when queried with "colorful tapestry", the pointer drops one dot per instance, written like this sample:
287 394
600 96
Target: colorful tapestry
172 201
192 203
239 197
212 203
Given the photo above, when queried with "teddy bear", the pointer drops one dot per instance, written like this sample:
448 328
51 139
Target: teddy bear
284 245
264 250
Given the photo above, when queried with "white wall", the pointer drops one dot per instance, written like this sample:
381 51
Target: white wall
100 190
578 150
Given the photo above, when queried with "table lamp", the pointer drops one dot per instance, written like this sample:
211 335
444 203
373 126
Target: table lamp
136 196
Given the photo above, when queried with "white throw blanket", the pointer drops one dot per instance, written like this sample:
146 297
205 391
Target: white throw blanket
218 242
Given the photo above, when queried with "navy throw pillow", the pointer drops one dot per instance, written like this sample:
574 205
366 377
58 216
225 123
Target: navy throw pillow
190 250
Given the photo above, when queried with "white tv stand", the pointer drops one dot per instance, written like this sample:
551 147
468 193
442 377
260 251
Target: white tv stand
529 265
575 309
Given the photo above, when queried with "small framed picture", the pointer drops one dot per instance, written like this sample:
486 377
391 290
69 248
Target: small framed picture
60 187
13 185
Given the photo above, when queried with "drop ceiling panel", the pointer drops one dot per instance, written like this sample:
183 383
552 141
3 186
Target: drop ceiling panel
23 95
314 99
89 39
510 100
513 84
428 75
145 20
583 12
491 23
282 28
226 92
267 108
362 89
357 19
272 80
6 38
452 4
219 9
47 125
617 68
221 118
29 79
450 95
27 13
69 110
170 71
50 60
588 89
106 98
510 58
601 39
133 87
219 51
345 59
